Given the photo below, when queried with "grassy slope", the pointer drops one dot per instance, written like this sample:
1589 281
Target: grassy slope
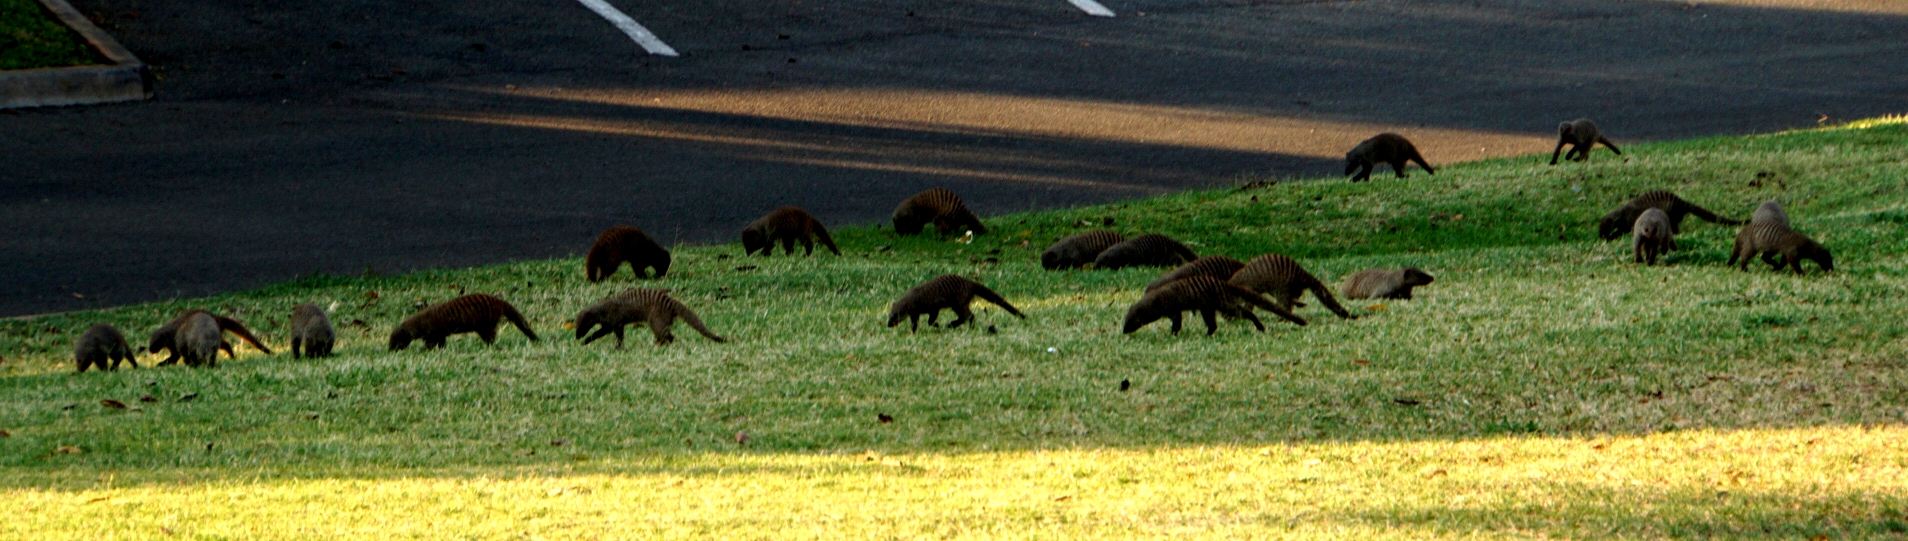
1559 390
29 38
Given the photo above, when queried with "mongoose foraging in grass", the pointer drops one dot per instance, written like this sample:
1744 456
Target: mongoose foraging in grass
786 225
1078 250
652 306
950 291
1770 212
1384 283
311 331
1388 148
1793 247
99 344
1216 266
165 337
1582 135
476 312
621 244
1285 281
1624 217
198 339
1651 236
1148 250
937 206
1205 294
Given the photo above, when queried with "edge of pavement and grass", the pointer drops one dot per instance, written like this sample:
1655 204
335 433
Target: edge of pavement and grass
61 58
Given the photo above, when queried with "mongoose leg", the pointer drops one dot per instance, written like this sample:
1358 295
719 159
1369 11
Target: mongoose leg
914 322
932 316
659 323
1175 320
489 335
296 345
1364 173
808 246
788 245
1397 167
1249 316
619 336
600 332
962 315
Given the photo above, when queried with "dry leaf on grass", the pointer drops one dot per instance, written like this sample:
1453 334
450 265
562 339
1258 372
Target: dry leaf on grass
114 404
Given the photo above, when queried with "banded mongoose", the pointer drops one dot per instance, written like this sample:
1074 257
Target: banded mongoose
1216 266
1078 250
621 244
1388 148
1384 283
939 207
950 291
311 331
1770 212
787 225
476 312
1582 135
165 338
1651 237
1283 279
652 306
101 343
1619 221
198 340
1205 294
1148 250
1793 247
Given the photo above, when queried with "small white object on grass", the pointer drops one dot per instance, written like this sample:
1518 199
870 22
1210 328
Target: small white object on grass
1053 350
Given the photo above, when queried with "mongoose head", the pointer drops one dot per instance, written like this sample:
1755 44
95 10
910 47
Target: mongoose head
400 339
895 314
1351 162
1813 251
1414 276
1050 260
1136 317
753 240
1566 131
1613 226
587 321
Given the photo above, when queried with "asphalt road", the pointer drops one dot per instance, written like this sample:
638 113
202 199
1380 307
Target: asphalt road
289 138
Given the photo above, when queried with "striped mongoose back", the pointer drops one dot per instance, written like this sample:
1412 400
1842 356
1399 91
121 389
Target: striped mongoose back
786 225
198 340
1770 212
1283 279
1205 294
1651 236
1384 283
102 343
651 306
1618 221
1148 250
1582 135
939 207
311 331
1216 266
1078 250
476 312
950 291
1387 148
621 244
1769 238
165 337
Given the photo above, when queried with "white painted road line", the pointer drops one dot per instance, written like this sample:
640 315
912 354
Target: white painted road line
1092 8
643 36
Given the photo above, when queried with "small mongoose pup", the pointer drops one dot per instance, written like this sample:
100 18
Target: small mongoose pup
101 343
1078 250
1770 212
1148 250
165 338
950 291
651 306
1793 247
1618 221
1216 266
1283 279
1388 148
786 225
939 207
311 330
1384 283
1582 135
621 244
1205 294
476 312
1651 237
198 340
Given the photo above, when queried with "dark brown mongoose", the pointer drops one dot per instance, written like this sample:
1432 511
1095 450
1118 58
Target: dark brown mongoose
1205 294
1284 280
652 306
1793 247
1619 221
787 225
1384 283
1651 237
99 344
476 312
1388 148
939 207
1078 250
311 331
1216 266
198 339
1148 250
950 291
1582 135
1770 212
621 244
164 338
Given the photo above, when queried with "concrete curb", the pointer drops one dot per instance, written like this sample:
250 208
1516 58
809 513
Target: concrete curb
127 79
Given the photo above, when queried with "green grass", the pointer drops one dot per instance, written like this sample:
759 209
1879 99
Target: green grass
32 38
1544 386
